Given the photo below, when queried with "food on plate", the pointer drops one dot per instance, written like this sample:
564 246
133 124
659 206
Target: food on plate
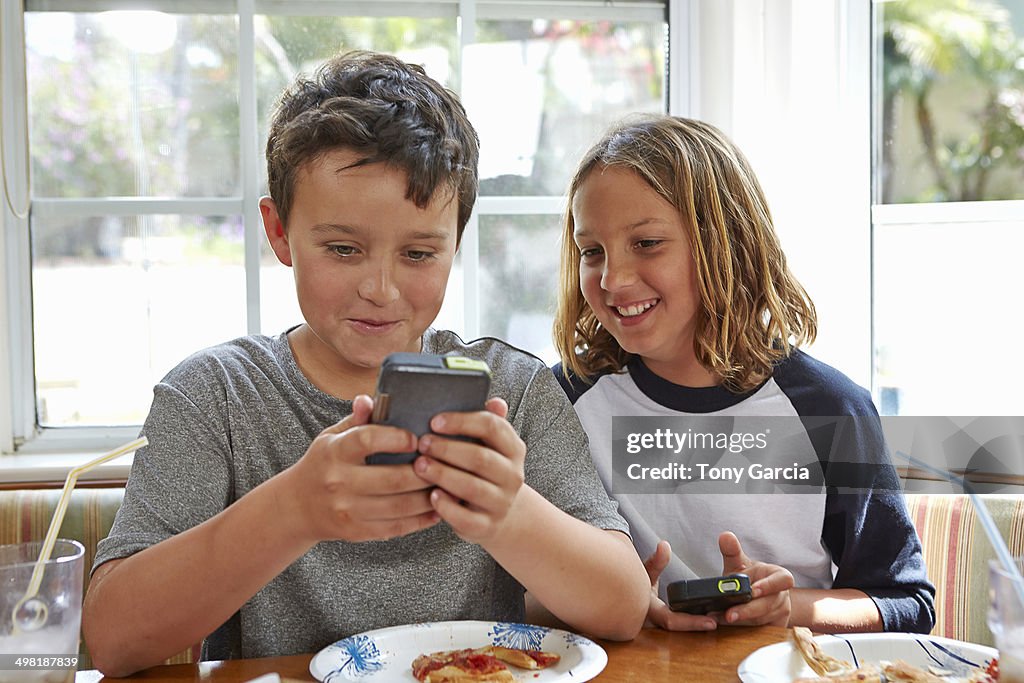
460 666
820 663
833 670
864 674
481 665
524 659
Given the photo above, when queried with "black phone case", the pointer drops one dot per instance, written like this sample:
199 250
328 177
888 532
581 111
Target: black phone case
414 387
714 594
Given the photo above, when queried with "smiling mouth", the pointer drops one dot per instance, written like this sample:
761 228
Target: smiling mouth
373 323
634 310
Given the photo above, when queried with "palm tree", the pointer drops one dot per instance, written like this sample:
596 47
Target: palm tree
927 41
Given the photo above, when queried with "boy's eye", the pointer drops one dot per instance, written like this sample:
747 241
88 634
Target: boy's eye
342 249
419 255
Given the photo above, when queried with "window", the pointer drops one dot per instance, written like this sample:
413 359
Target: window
948 206
145 132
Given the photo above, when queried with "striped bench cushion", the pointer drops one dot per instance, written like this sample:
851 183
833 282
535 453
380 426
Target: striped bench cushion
25 516
957 551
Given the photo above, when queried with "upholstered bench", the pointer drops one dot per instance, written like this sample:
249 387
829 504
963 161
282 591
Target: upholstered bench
955 545
957 551
25 516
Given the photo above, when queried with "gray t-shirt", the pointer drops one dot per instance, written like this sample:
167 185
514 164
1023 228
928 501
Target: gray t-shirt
230 417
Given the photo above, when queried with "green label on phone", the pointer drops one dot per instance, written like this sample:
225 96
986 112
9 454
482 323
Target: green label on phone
463 363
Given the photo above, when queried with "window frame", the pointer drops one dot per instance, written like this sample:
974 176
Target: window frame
884 216
19 430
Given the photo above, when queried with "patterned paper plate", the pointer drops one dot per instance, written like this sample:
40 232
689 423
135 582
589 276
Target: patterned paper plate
781 663
386 654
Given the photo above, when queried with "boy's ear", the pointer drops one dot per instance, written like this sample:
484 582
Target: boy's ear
274 228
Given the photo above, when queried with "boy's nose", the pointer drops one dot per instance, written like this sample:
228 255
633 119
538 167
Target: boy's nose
378 286
616 275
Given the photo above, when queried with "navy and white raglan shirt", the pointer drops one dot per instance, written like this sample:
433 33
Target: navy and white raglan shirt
836 537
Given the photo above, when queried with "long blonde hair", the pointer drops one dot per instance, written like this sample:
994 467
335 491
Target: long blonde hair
754 310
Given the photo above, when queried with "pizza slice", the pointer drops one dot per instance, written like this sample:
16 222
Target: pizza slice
460 666
822 664
524 659
481 665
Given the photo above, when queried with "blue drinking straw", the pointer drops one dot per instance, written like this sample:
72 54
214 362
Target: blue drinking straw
987 523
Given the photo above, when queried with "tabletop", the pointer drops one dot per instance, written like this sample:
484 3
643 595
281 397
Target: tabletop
653 656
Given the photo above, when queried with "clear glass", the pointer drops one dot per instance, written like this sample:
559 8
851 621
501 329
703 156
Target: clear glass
949 98
1006 618
947 334
132 104
519 280
52 629
541 92
119 301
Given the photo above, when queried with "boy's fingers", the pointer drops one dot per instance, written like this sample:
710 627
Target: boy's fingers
382 480
661 616
467 522
448 456
756 612
734 560
656 563
497 406
382 531
748 612
776 582
357 442
470 486
395 507
488 427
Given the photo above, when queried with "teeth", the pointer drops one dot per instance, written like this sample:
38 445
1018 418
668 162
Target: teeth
635 309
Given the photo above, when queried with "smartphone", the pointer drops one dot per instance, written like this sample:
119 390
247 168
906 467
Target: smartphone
714 594
414 387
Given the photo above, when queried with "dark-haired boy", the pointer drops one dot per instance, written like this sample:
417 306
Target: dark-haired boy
252 520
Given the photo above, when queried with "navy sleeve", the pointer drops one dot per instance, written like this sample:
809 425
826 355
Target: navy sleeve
866 529
573 385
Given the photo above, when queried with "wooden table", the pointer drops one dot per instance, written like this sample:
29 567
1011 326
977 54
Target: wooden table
654 656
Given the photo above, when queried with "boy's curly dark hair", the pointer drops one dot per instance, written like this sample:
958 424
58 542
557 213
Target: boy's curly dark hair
391 112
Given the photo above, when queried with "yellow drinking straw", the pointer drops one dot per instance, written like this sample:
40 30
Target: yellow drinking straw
35 616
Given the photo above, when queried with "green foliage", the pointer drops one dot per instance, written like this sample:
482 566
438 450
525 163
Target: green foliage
954 64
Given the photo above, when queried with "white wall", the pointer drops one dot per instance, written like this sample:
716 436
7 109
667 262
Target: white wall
788 80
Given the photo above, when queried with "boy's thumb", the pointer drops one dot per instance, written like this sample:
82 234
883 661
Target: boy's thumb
656 563
362 408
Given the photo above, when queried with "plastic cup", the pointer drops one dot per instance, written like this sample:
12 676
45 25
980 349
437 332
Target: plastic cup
46 653
1006 620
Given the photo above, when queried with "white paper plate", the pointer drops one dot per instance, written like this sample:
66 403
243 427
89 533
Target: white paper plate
386 654
781 663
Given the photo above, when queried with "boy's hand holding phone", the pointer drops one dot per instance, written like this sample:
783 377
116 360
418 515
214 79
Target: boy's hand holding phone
465 447
337 496
477 483
769 585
